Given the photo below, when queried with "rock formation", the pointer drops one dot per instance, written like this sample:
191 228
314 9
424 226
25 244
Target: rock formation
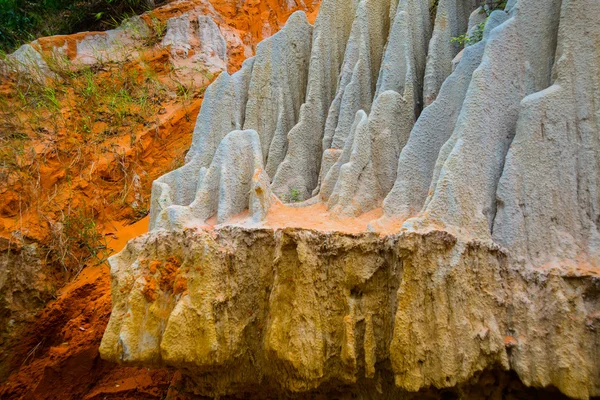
485 165
234 181
199 34
451 20
277 87
300 168
202 36
120 105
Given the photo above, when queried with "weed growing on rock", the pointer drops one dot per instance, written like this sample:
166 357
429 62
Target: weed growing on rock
476 34
295 196
75 240
159 29
470 38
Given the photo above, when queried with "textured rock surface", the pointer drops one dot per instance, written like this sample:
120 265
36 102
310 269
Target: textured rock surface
203 37
451 20
222 111
417 161
359 73
300 168
485 261
277 88
548 194
82 49
299 310
234 181
199 35
522 49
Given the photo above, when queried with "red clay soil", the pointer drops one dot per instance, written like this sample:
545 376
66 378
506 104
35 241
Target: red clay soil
64 174
257 19
56 356
59 351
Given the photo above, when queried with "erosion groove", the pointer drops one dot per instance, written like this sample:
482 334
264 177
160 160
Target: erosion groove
479 166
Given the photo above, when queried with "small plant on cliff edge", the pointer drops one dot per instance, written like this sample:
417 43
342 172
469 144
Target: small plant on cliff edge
294 196
159 29
476 34
75 241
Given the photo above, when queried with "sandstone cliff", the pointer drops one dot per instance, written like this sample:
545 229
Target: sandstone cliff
479 171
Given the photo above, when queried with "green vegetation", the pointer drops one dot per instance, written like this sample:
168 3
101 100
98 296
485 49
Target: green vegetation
159 29
433 10
75 240
476 35
73 136
105 98
22 21
90 124
294 196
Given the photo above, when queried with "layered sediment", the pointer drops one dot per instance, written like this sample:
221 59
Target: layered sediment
482 162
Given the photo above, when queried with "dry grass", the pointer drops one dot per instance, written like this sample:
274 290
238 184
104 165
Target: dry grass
68 124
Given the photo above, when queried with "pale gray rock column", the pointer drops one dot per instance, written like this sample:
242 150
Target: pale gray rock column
300 168
477 17
357 82
516 62
278 87
390 128
549 193
222 111
496 19
433 128
451 20
368 38
333 174
403 64
367 165
234 182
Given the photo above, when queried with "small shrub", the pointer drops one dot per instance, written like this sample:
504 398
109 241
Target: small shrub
466 39
76 241
295 196
476 34
159 29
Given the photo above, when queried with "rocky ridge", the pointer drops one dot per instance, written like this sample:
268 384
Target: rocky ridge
485 257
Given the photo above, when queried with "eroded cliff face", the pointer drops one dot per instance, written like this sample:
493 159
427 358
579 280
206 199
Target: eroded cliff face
263 312
457 234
